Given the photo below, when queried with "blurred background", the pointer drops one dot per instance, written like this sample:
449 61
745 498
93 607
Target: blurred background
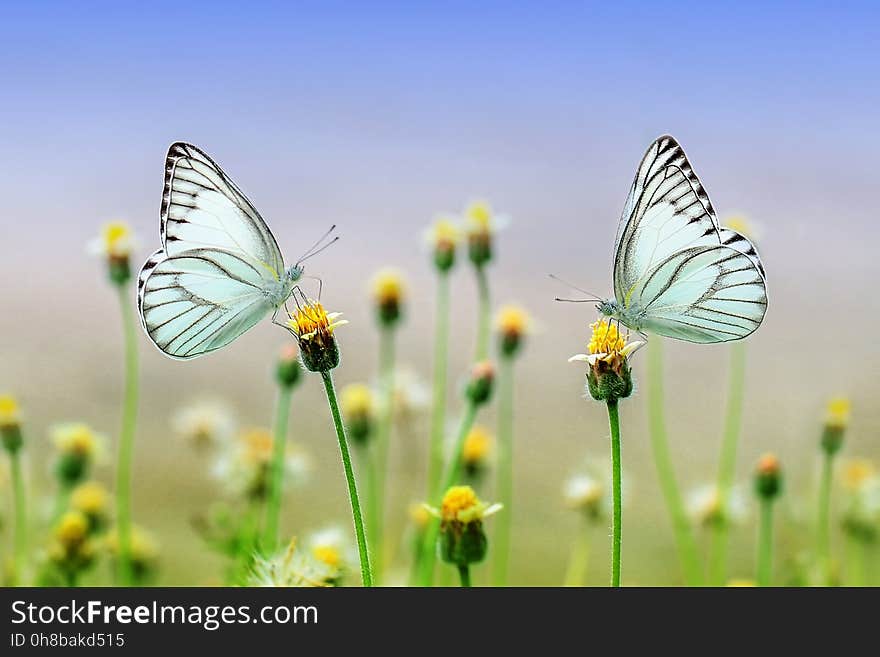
377 116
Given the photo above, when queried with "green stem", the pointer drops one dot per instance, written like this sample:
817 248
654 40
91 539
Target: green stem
276 485
451 474
483 315
366 462
357 516
727 464
765 544
20 540
614 422
383 438
684 538
126 438
823 526
465 573
441 364
856 562
505 472
576 573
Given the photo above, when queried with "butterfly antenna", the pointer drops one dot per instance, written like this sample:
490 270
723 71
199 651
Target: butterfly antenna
592 296
314 248
575 300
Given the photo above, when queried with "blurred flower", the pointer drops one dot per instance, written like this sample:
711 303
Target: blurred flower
443 237
288 369
476 450
410 394
71 550
204 424
388 291
479 387
836 422
704 506
768 477
313 329
93 501
115 243
609 376
419 516
586 494
481 224
861 515
144 553
245 467
743 225
332 547
513 324
292 568
359 410
10 424
462 539
741 583
78 448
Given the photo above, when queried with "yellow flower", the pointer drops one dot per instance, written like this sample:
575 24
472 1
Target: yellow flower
837 413
477 446
91 499
461 504
856 472
116 240
388 286
419 515
204 424
481 224
357 400
609 377
76 439
72 530
512 323
313 328
292 568
10 414
329 546
741 583
244 468
742 225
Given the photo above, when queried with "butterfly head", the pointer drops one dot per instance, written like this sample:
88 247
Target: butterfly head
608 307
294 273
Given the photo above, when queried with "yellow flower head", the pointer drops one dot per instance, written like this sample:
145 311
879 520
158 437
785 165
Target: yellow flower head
479 218
512 324
116 240
72 529
293 567
313 328
255 446
357 400
857 472
420 515
742 225
461 504
388 286
837 413
328 546
605 338
477 446
76 439
10 415
91 499
444 234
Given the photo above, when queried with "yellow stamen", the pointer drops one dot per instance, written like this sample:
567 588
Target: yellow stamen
606 338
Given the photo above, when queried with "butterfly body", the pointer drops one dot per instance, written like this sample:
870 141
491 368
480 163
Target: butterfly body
219 271
677 273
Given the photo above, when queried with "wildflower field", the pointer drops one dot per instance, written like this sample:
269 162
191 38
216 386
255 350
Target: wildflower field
438 393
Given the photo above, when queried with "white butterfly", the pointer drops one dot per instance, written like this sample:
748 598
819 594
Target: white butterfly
219 270
677 273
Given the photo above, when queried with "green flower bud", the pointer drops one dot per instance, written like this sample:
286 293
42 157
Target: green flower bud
479 388
288 370
768 477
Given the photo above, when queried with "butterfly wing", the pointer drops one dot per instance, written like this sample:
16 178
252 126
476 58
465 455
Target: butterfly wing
703 294
669 245
202 207
199 300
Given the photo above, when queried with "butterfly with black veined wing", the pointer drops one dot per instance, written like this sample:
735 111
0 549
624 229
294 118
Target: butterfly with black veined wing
219 271
677 273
